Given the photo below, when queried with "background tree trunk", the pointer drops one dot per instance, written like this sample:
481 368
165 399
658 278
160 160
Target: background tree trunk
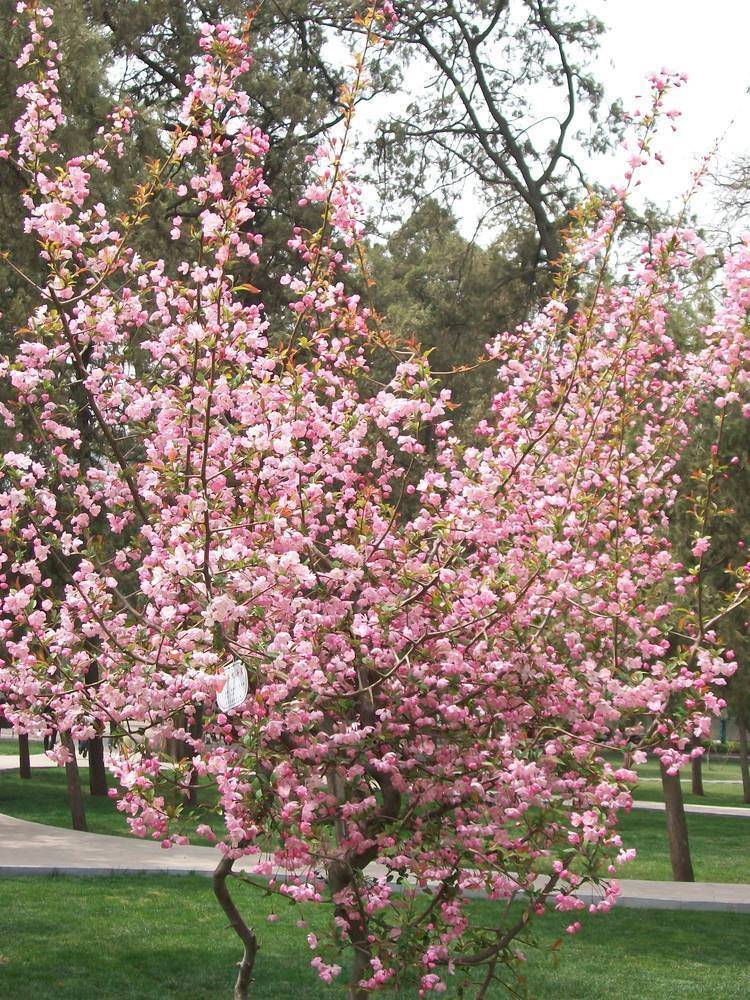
696 770
677 831
744 768
75 796
24 767
97 770
181 749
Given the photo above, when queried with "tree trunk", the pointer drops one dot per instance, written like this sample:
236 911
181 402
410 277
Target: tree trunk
24 765
245 934
75 796
744 769
361 968
340 876
696 770
97 770
677 831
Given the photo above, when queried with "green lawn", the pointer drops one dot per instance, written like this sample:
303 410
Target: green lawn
719 845
163 939
9 747
43 799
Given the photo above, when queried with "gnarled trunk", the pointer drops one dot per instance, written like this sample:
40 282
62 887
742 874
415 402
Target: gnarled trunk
243 932
677 831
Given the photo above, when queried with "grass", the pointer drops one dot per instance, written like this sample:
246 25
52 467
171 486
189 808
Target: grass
43 799
9 747
156 938
719 845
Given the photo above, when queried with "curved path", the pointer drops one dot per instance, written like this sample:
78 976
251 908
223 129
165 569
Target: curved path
33 849
9 762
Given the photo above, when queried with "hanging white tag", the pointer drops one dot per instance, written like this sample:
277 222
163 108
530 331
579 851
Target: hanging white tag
234 690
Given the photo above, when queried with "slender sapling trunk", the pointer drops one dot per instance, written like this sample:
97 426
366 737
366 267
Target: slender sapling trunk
196 729
97 770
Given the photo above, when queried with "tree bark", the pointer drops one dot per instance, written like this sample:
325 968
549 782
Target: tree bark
744 768
677 831
24 759
696 775
75 796
245 934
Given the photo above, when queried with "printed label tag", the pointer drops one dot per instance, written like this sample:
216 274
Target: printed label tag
234 690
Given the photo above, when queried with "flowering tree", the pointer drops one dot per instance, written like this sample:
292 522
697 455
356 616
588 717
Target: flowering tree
436 640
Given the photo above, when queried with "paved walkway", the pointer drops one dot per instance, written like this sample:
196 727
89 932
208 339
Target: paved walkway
706 781
9 762
33 849
699 809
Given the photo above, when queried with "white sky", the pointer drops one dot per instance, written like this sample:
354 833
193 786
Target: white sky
709 42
